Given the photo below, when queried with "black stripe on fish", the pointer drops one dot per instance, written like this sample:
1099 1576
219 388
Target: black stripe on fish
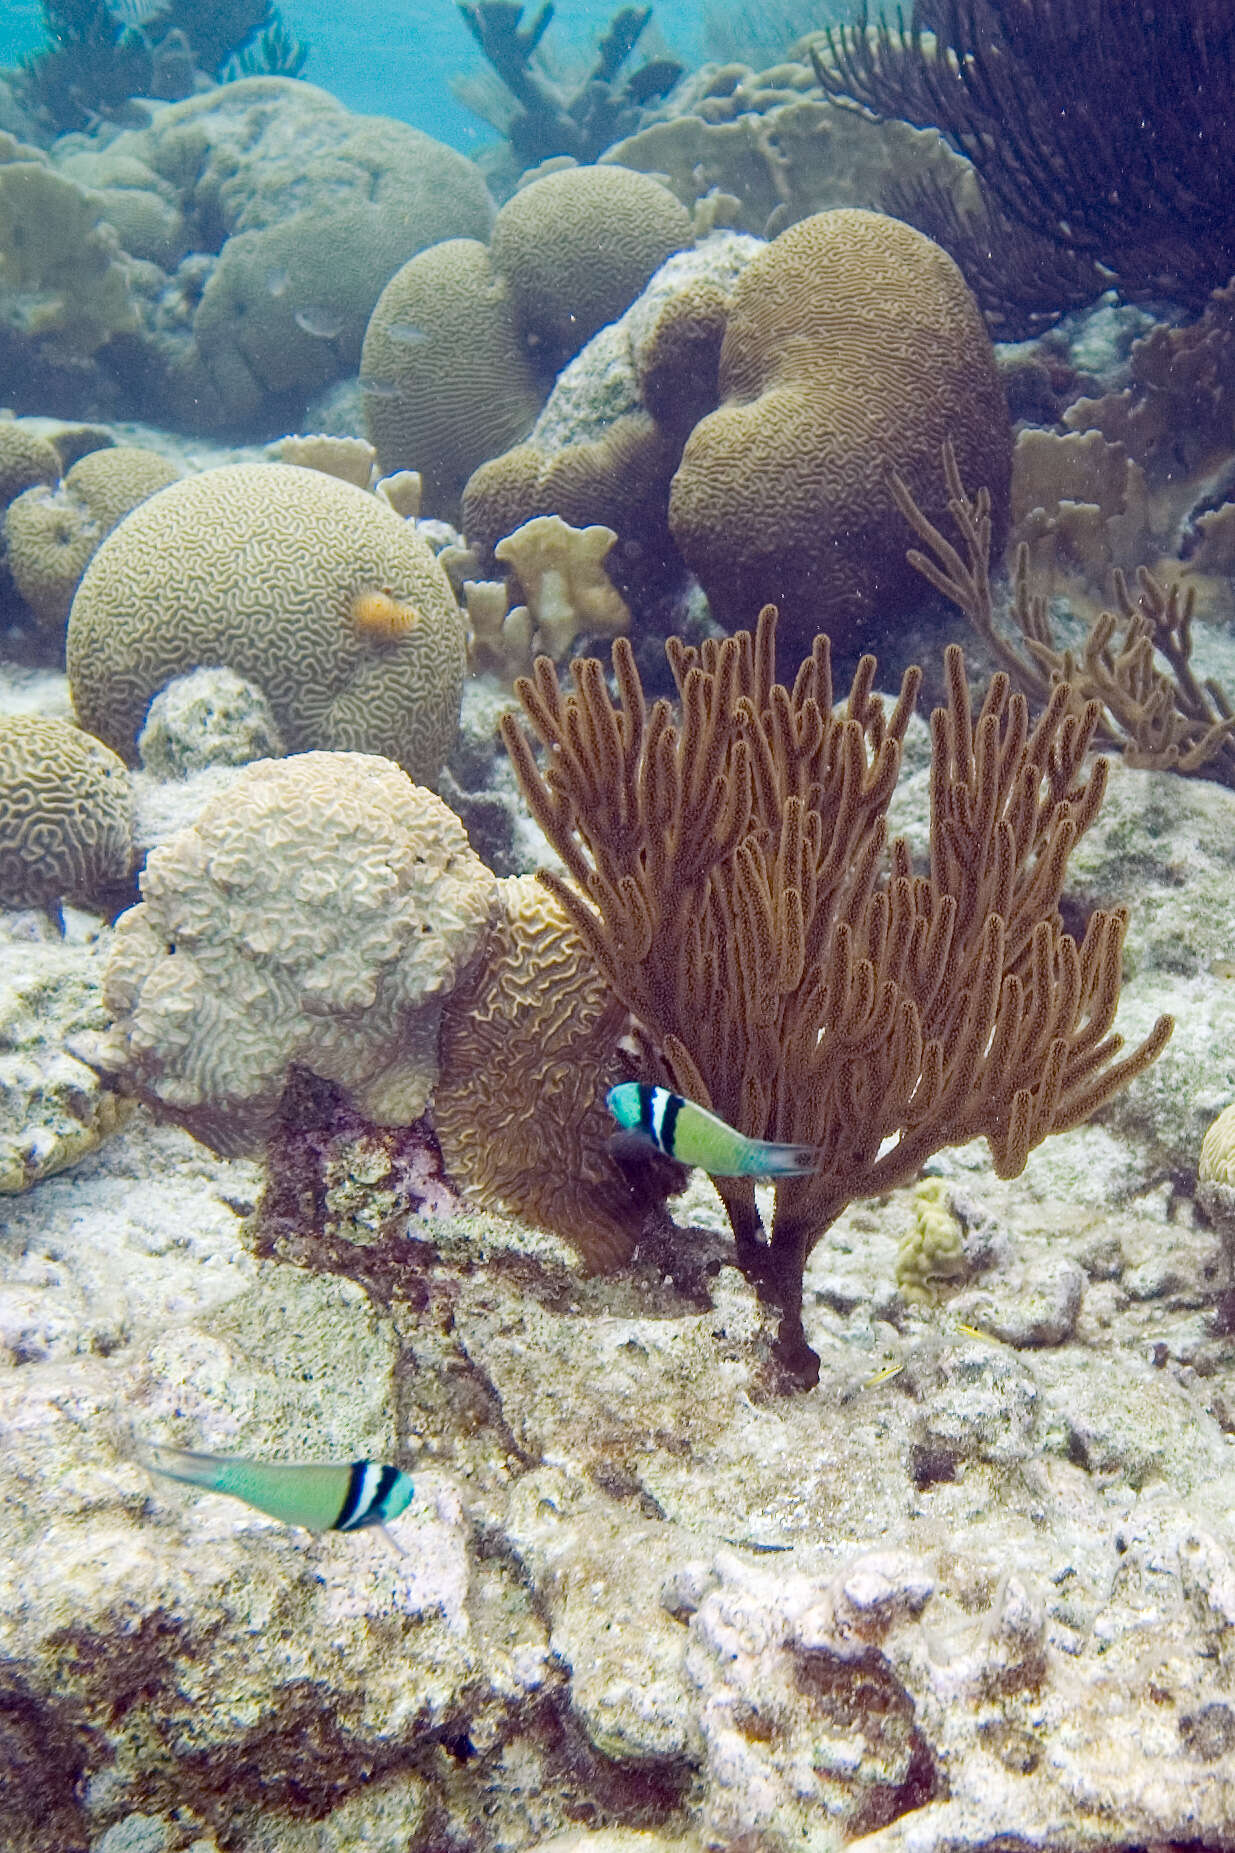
354 1496
647 1111
668 1122
373 1497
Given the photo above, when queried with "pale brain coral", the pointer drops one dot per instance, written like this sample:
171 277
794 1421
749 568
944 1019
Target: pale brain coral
853 347
317 914
446 376
578 245
51 534
65 813
259 567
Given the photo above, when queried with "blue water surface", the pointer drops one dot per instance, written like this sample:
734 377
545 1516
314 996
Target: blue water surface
396 58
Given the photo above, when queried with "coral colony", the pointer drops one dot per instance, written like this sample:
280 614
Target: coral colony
617 830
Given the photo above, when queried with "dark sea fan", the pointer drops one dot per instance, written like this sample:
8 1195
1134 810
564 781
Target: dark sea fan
1102 125
102 52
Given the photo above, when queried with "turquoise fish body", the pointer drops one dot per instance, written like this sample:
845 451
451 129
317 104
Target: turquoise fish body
345 1497
680 1129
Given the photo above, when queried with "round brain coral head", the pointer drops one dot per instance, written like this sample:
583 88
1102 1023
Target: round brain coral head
576 247
1217 1161
853 347
528 1049
257 568
65 813
445 371
381 618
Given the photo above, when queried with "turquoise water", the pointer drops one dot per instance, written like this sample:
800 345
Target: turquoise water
397 60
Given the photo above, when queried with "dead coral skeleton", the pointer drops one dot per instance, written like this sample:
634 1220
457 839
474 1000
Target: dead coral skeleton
782 962
543 115
1164 718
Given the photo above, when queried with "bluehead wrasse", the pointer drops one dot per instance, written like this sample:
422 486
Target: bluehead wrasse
975 1331
658 1120
882 1376
341 1497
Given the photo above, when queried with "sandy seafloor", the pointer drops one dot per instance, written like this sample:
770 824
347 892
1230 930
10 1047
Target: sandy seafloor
974 1591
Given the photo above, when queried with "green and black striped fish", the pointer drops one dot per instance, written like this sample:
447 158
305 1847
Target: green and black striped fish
664 1122
344 1497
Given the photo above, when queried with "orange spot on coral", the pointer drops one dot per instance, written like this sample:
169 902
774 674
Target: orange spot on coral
379 617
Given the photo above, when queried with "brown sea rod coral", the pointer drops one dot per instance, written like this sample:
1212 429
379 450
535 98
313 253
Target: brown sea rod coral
731 873
1134 667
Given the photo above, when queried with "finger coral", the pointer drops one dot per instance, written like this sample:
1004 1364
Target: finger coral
257 567
316 914
852 346
561 572
731 874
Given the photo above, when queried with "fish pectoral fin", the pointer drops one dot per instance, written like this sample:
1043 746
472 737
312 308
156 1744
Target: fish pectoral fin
630 1144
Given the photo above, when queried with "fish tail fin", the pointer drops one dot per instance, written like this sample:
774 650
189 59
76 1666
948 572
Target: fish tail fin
391 1540
183 1464
769 1158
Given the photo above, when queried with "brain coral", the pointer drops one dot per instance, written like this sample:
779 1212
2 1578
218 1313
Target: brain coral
285 308
25 460
317 913
853 345
65 813
1217 1160
578 245
445 369
258 567
528 1048
310 210
610 436
51 534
